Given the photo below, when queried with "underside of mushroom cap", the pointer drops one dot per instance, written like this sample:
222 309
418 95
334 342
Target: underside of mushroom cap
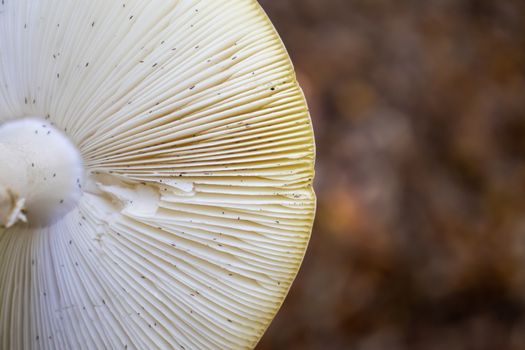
197 204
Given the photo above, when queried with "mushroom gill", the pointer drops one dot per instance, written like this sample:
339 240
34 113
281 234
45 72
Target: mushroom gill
191 207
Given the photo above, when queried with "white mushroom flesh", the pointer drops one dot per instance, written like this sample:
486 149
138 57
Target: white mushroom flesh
41 174
195 164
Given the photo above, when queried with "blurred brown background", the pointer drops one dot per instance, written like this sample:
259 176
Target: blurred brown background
419 110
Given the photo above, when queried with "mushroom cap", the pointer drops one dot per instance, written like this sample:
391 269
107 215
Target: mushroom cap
198 151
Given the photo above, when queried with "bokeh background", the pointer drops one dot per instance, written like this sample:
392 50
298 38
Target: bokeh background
419 113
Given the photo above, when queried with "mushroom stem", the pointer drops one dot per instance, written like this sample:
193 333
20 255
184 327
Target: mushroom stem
13 177
40 174
11 208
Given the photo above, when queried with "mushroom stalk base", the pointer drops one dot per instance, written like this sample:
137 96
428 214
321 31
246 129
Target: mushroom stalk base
41 173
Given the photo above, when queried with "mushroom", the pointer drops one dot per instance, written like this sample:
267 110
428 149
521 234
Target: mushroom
156 174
